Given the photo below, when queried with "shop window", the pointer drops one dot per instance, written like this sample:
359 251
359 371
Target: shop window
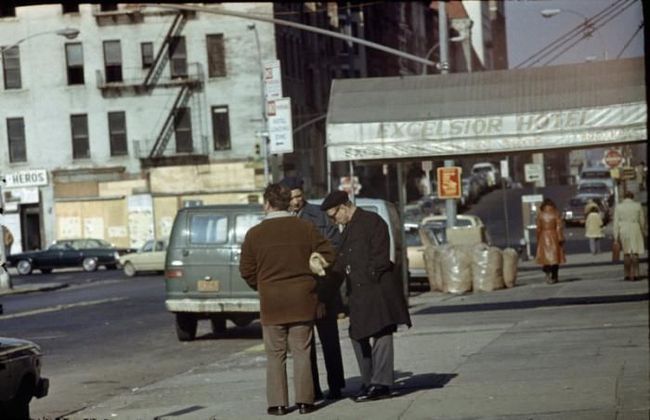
80 141
75 63
117 133
113 61
146 50
16 136
11 68
221 127
216 56
183 130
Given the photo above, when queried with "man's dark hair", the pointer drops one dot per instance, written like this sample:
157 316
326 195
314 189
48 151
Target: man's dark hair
278 196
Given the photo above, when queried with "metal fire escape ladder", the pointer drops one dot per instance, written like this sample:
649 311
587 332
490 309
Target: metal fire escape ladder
168 126
162 58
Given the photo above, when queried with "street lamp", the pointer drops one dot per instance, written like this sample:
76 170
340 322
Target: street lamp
265 127
68 33
432 49
588 26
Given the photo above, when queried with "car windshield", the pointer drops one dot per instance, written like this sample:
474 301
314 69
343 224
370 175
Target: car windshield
593 189
595 175
482 169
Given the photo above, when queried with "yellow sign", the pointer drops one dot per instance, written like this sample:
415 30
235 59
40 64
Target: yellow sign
449 182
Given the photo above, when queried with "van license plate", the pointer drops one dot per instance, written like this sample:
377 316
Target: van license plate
208 285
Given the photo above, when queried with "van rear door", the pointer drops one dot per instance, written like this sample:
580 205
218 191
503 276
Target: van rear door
242 221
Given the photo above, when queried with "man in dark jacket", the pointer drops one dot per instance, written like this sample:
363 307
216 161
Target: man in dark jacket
275 262
329 296
376 300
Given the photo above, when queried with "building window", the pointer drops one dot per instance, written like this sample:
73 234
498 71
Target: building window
183 130
178 57
16 136
216 56
221 127
7 10
146 51
80 143
75 61
70 7
113 61
117 133
11 68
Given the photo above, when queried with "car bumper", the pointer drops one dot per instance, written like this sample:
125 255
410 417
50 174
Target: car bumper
42 387
417 273
213 305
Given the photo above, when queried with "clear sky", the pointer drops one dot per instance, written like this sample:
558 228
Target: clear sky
528 32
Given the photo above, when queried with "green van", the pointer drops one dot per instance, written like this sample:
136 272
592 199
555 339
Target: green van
202 263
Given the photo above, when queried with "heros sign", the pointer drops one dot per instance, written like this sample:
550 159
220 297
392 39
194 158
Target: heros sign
28 178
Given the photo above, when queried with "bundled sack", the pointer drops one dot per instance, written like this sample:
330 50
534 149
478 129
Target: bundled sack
510 263
456 269
487 268
433 269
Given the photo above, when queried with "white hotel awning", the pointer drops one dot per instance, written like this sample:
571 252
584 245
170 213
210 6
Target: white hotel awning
568 106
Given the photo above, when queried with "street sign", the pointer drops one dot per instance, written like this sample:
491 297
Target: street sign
532 198
280 126
627 173
350 185
533 172
613 158
505 170
272 80
449 183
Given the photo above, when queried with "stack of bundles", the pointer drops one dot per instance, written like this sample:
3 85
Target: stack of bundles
456 268
510 261
487 268
432 266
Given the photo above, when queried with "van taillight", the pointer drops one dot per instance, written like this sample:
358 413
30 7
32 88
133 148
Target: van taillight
173 274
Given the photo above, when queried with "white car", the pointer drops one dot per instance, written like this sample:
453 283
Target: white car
434 228
150 257
490 170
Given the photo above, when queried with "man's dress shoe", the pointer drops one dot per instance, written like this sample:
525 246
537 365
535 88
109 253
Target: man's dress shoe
279 410
375 392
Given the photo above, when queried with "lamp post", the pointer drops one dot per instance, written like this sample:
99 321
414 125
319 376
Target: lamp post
432 49
68 33
264 135
588 27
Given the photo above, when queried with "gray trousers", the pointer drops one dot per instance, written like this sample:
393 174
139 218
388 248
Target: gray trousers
376 359
278 339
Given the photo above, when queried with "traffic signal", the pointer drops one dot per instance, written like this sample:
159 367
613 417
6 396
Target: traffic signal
258 152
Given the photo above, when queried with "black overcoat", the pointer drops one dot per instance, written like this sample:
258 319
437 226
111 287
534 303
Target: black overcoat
375 296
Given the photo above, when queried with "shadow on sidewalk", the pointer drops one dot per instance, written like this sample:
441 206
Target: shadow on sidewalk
533 303
406 382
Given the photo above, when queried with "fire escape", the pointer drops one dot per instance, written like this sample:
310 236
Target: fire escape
186 78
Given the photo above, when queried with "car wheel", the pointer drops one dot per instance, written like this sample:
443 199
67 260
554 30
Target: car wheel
185 326
89 264
46 270
24 267
218 325
129 269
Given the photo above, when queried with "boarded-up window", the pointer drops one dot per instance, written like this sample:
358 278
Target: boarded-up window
16 136
11 68
146 49
216 56
117 133
178 57
113 61
80 143
183 130
75 63
221 127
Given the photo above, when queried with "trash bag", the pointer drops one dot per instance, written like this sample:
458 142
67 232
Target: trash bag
432 266
487 268
456 268
510 262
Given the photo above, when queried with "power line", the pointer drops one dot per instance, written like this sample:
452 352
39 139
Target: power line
630 40
571 34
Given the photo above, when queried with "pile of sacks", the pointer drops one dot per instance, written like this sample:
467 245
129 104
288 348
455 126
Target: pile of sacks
462 268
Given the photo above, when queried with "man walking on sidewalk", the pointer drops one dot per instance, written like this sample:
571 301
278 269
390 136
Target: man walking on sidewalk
375 296
328 295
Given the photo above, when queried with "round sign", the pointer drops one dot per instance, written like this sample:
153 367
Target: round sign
613 158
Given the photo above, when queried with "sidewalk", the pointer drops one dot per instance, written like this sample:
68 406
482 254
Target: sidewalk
573 350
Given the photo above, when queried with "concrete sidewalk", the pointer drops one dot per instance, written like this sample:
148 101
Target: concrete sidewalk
577 349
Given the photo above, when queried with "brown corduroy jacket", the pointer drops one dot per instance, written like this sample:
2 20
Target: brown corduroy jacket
275 261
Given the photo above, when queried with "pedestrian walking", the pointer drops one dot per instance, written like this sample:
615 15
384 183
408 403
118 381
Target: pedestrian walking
550 240
629 229
375 297
328 295
275 261
594 230
8 240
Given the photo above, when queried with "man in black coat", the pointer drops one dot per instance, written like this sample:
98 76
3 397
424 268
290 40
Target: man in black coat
376 301
328 295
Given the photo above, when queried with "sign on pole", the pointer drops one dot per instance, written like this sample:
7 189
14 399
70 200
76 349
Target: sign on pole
613 158
280 126
533 172
449 183
272 80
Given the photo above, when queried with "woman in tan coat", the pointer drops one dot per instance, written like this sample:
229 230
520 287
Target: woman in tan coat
550 240
629 229
594 229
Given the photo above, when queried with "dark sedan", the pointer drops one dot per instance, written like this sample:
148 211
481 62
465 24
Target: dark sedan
86 253
574 211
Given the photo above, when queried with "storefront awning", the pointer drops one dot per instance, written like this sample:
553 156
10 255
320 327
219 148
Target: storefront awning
568 106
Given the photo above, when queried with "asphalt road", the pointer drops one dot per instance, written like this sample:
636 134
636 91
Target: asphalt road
105 334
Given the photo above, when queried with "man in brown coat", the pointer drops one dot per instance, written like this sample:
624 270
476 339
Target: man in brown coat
275 261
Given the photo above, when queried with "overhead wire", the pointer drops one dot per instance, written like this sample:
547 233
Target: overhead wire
630 40
578 30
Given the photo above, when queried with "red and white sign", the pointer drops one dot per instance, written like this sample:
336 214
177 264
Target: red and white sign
449 182
350 185
613 158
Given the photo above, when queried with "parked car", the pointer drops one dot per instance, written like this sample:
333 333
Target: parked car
20 377
150 257
574 211
87 253
434 228
597 173
491 171
415 252
599 189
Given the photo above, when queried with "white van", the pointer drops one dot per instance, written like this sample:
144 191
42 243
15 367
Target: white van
490 170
